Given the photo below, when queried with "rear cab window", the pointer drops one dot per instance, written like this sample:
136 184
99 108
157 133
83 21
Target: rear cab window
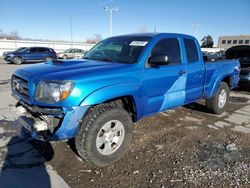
191 50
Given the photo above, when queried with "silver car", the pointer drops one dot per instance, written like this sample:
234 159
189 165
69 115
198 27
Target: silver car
71 53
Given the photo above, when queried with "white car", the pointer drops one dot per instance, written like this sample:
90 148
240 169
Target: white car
71 53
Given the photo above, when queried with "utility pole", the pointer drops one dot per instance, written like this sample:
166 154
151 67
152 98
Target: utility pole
154 29
110 11
71 35
196 26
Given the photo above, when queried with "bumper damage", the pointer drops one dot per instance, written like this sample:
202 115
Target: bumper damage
49 126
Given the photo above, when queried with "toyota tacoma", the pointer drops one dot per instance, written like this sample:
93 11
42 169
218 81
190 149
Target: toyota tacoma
96 100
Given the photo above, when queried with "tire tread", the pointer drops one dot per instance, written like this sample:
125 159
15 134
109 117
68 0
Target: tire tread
87 122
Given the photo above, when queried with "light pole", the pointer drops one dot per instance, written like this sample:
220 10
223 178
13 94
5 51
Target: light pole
196 26
154 29
71 35
110 10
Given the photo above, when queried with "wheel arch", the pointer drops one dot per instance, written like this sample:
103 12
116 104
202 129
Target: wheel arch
127 102
125 95
227 79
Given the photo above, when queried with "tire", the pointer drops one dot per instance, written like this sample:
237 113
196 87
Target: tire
48 59
96 143
218 102
65 57
17 60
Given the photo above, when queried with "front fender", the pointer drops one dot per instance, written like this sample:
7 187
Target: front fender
115 91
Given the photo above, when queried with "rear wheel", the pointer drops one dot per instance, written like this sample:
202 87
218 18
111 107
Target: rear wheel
218 102
17 60
48 59
104 135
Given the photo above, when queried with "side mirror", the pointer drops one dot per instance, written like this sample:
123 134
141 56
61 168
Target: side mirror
27 51
158 60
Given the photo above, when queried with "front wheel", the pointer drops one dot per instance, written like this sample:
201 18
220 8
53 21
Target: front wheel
17 60
65 57
218 102
104 135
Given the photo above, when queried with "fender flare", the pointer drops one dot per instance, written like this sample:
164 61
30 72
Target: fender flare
115 91
217 84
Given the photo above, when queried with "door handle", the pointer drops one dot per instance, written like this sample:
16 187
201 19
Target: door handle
182 72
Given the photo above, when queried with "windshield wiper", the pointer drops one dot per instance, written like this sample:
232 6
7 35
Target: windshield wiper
105 59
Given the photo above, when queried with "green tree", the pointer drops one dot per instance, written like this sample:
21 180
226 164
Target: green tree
207 42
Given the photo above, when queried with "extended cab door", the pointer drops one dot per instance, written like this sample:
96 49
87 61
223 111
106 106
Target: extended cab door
165 85
195 70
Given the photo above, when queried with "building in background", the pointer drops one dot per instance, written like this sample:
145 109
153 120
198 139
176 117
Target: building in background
229 41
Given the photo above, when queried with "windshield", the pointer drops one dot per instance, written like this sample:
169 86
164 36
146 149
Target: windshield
67 51
20 49
125 49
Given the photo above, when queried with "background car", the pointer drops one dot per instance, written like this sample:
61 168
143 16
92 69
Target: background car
17 50
31 54
242 53
71 53
215 56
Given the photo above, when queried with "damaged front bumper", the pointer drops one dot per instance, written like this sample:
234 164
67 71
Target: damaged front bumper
49 123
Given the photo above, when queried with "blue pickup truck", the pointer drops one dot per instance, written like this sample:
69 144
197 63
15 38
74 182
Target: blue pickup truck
122 79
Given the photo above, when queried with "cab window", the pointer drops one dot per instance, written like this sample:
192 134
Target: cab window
169 47
191 50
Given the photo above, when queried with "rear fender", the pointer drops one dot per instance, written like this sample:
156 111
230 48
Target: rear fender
231 78
216 85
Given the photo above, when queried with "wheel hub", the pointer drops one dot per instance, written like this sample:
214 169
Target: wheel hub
222 98
110 137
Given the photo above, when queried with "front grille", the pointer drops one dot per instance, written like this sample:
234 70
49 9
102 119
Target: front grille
20 85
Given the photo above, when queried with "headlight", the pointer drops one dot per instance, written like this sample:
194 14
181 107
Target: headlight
53 91
11 55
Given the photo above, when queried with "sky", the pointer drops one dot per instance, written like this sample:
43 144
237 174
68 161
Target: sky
50 19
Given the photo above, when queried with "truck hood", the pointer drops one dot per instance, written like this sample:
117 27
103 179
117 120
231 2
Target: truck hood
72 69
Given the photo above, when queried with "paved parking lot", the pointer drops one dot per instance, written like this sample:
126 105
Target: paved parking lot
182 147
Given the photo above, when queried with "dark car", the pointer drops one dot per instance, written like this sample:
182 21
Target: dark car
243 54
9 52
31 54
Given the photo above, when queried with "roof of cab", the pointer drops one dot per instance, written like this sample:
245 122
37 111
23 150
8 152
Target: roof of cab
155 34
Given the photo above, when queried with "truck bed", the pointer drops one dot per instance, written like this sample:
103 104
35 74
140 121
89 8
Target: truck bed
214 72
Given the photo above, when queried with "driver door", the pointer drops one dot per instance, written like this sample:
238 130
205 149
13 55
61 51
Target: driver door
165 85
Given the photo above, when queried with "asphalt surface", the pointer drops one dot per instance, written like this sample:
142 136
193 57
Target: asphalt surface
185 147
22 163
